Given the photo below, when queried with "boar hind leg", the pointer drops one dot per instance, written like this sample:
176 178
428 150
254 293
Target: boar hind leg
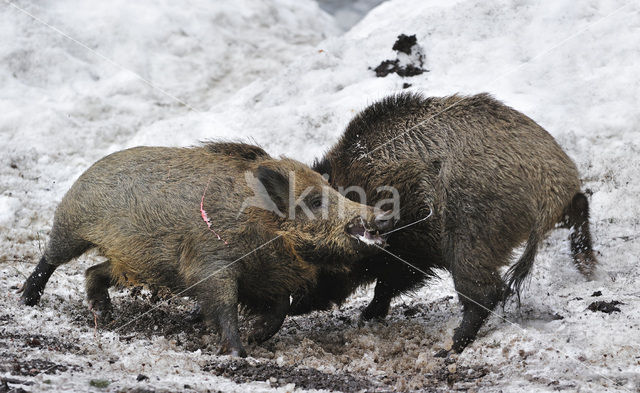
34 286
218 298
576 218
479 287
62 248
98 279
270 320
479 292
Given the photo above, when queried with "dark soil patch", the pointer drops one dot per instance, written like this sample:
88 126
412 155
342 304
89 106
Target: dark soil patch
462 375
32 367
386 67
443 379
177 318
393 66
409 46
410 311
152 320
606 307
242 371
148 314
39 341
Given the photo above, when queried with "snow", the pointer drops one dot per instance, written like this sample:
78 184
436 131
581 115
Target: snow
289 76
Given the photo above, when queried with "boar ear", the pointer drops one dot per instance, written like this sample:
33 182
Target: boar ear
277 187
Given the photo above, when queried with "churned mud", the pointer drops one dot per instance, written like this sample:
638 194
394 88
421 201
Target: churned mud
325 351
154 344
241 371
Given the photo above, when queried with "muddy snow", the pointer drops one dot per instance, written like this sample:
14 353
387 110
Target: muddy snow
81 80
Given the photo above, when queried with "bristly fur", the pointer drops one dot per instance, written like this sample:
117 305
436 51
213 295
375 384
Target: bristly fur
240 150
147 212
322 166
494 179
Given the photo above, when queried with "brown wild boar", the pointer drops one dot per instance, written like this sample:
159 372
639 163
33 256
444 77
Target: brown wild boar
223 222
491 178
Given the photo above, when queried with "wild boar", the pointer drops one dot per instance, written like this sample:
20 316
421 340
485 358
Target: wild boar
489 176
223 222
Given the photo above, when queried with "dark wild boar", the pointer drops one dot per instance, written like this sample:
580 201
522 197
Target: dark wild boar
493 178
146 210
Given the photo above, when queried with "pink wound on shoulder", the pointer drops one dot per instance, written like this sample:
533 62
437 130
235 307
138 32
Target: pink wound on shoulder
204 215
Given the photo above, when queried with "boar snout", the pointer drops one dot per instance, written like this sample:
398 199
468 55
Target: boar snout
368 229
384 221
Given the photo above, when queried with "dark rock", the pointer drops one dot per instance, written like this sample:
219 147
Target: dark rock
606 307
404 43
409 46
386 67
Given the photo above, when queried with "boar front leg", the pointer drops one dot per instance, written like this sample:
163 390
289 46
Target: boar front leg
394 279
218 298
98 280
270 321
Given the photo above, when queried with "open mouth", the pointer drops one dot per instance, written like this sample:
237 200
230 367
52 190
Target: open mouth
357 229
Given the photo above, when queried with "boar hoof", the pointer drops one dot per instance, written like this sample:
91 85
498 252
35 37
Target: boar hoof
30 295
260 335
585 262
264 329
101 309
236 352
28 300
449 356
195 315
443 353
374 311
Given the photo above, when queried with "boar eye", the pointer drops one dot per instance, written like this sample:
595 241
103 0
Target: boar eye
315 203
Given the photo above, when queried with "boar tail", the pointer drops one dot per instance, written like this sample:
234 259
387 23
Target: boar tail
576 218
517 273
